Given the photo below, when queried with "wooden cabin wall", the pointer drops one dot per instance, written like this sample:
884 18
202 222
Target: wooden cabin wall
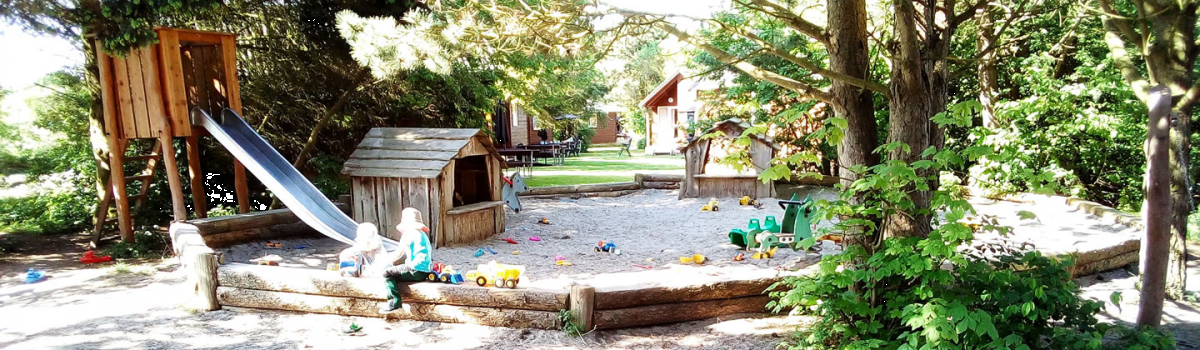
136 93
381 200
728 187
761 155
204 76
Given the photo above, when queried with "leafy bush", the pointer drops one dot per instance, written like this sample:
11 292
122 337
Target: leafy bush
924 292
60 202
585 137
146 245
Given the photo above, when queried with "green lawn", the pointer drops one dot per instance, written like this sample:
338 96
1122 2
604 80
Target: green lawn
603 166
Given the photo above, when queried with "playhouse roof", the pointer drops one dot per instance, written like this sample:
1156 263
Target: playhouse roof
733 127
415 152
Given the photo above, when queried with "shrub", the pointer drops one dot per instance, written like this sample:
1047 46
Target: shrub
60 202
146 245
585 137
925 292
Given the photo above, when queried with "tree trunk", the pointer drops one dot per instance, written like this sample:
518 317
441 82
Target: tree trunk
909 105
848 54
1158 208
1181 207
100 149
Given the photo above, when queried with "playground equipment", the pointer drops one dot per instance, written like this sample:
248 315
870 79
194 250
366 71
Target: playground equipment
147 95
496 274
513 185
704 177
453 176
797 226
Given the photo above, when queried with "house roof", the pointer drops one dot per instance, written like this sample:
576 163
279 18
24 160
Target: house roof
661 89
733 127
414 152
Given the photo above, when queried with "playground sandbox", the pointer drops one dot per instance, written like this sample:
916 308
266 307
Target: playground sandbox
646 284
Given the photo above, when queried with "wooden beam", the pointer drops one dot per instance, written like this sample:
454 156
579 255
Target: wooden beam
609 187
487 316
174 90
179 209
620 297
678 312
234 99
583 302
330 283
196 176
137 93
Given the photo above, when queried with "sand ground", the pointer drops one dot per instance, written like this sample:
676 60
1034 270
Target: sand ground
138 305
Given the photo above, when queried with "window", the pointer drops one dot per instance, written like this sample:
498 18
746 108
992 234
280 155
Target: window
592 121
516 113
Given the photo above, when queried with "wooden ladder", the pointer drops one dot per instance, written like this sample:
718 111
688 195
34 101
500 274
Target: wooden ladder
145 177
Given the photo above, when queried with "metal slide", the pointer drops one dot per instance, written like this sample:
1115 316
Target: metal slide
291 187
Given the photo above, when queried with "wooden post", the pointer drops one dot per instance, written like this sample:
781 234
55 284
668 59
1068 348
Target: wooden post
168 154
583 302
196 176
1156 243
204 268
234 97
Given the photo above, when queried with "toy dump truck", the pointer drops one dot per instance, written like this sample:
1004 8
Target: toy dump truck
496 274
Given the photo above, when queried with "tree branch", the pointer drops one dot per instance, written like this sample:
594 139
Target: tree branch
746 67
1120 23
966 14
1112 37
790 19
806 64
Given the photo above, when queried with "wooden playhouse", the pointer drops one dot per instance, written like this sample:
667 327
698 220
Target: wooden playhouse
705 177
453 176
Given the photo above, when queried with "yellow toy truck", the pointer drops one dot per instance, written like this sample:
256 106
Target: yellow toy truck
496 274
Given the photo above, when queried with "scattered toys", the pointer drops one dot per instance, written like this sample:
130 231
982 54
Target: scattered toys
739 257
697 259
510 240
331 267
749 201
479 253
535 238
91 258
764 254
34 276
516 252
445 274
607 247
268 263
561 261
644 267
544 221
490 250
796 227
496 274
270 245
711 206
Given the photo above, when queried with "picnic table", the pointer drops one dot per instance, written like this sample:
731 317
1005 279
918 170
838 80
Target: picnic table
556 151
520 158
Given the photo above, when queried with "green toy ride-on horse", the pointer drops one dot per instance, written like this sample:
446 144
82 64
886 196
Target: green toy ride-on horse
797 226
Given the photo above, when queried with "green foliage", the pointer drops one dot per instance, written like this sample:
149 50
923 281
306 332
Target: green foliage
59 166
585 134
570 327
147 245
929 292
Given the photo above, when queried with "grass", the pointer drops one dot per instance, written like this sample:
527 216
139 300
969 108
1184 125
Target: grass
563 180
602 165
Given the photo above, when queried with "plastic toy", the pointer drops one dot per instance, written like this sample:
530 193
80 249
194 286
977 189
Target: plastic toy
739 257
796 227
535 238
643 267
91 258
685 260
446 274
607 247
331 267
516 252
544 221
698 259
711 206
748 201
738 236
764 254
490 250
274 245
510 240
479 253
496 274
268 263
35 276
770 225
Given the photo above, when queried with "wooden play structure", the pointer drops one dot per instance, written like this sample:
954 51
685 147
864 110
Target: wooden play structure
147 95
703 177
453 176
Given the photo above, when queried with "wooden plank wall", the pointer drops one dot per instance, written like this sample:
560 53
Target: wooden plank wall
470 226
204 76
726 187
380 200
138 100
760 156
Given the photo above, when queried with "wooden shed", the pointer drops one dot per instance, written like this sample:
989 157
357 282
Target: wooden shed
704 176
453 176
